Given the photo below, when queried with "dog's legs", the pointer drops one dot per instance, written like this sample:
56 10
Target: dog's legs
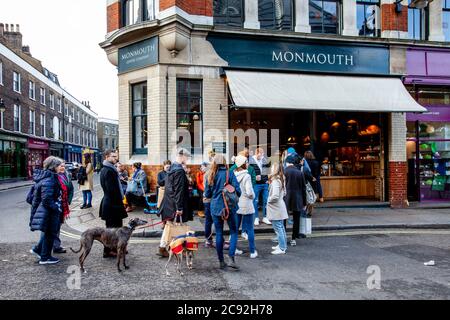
179 262
124 250
167 264
83 257
119 256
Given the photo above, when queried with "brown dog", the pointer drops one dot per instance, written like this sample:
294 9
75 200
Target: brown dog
186 245
114 239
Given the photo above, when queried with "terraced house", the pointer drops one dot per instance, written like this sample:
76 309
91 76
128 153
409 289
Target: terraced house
363 84
38 117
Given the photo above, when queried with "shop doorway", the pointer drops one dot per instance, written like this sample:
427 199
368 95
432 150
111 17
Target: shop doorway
349 146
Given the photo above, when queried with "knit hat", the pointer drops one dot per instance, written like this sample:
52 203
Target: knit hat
240 160
291 150
291 159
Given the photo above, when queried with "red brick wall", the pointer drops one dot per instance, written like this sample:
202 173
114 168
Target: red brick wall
113 17
391 20
196 7
398 184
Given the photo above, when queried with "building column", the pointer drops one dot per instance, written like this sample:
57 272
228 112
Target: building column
436 31
302 16
251 20
398 166
394 24
349 18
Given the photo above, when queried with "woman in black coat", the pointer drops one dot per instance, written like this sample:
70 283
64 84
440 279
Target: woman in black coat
315 172
295 198
46 208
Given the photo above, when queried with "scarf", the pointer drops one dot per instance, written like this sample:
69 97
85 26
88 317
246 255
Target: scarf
110 165
65 194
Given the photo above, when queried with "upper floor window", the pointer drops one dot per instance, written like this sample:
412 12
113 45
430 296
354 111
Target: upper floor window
324 16
445 20
42 96
17 82
1 72
43 125
66 109
135 11
32 90
229 12
32 129
17 118
275 14
59 103
416 23
52 101
367 15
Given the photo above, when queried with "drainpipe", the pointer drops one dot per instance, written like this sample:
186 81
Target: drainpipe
167 114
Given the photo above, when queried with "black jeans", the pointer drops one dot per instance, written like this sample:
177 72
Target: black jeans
296 226
112 223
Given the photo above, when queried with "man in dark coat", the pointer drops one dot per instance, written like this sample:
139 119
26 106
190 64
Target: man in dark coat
295 195
112 209
176 195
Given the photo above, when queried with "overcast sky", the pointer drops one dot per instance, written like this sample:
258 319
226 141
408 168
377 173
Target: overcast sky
64 35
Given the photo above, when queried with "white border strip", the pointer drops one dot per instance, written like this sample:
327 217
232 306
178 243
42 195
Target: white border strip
10 55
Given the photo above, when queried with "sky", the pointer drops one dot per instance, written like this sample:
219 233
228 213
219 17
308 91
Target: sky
64 35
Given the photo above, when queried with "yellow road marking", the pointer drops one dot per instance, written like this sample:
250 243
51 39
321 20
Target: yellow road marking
316 235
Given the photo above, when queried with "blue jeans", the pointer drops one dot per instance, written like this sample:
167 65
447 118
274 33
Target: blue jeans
264 189
232 224
87 197
208 221
278 227
247 225
57 241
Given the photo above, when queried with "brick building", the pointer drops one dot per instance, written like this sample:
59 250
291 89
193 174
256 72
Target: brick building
108 134
331 76
40 118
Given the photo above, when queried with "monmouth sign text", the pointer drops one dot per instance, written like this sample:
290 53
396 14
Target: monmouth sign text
314 58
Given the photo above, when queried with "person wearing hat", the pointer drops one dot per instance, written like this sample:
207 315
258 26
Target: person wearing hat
246 209
295 194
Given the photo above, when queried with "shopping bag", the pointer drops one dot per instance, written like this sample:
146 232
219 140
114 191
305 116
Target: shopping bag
161 192
173 230
305 225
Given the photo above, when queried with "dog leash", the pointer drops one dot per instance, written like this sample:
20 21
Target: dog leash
155 224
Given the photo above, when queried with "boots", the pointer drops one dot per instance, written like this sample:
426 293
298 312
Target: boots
163 253
223 265
232 264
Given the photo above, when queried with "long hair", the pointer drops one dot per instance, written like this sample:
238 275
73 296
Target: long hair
218 161
309 155
276 172
87 159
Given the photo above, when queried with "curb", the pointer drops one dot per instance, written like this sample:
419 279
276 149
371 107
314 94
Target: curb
16 187
158 234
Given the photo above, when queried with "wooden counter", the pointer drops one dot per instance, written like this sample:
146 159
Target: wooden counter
345 187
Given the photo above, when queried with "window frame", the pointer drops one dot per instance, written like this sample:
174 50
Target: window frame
143 117
17 81
32 126
339 16
1 73
227 17
190 113
42 97
366 3
282 26
19 118
43 125
142 11
423 23
52 100
446 9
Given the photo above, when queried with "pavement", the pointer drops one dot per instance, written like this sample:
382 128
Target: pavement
324 219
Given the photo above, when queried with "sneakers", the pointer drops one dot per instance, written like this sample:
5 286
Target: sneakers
256 222
232 264
244 235
162 252
209 244
278 251
223 265
238 252
293 243
83 206
60 250
275 239
35 253
50 260
276 247
266 221
253 255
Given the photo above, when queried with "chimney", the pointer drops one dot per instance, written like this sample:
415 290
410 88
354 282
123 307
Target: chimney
26 50
2 29
13 36
17 28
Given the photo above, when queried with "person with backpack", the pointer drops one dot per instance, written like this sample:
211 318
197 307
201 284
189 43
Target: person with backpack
46 198
86 181
223 189
246 209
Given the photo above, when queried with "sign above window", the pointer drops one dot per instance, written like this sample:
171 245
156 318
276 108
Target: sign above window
302 56
138 55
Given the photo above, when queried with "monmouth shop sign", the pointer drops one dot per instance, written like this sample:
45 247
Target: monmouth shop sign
138 55
302 56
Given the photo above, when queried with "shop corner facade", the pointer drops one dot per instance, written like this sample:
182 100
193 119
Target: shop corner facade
197 76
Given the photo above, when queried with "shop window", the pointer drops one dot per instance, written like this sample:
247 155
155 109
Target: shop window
229 13
32 90
275 14
17 82
17 118
136 11
32 129
434 96
189 115
445 19
324 16
139 116
416 23
367 15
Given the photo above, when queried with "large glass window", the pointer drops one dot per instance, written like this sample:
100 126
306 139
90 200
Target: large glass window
367 17
416 30
275 14
135 11
229 12
139 115
445 19
189 115
324 16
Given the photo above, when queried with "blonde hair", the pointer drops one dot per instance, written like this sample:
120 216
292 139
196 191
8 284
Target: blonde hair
276 172
218 161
